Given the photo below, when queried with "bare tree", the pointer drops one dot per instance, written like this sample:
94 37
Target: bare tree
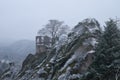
55 29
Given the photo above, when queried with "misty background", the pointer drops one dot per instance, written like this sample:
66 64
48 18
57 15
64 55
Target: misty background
21 19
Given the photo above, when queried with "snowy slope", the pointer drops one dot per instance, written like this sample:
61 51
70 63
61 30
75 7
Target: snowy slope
67 61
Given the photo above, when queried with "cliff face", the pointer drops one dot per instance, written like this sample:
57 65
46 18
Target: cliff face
68 61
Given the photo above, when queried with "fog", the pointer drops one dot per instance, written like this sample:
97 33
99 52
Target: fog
21 19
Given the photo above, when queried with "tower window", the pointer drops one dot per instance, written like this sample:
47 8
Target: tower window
42 39
38 41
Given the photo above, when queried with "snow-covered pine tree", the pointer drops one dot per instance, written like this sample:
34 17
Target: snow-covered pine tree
106 65
108 52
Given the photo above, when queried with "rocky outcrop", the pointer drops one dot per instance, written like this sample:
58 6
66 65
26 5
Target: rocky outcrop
8 70
68 61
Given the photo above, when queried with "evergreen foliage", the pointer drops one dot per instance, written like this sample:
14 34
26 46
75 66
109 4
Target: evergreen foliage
106 65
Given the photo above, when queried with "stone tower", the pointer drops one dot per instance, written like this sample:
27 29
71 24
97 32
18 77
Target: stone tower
43 44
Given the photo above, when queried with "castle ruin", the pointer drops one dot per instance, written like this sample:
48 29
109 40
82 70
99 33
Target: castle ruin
43 44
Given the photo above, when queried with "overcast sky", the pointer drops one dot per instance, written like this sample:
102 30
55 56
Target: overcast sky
21 19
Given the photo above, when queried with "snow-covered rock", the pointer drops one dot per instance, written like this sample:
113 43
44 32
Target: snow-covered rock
70 58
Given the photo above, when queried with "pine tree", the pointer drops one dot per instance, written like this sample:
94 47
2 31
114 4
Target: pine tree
106 65
108 52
